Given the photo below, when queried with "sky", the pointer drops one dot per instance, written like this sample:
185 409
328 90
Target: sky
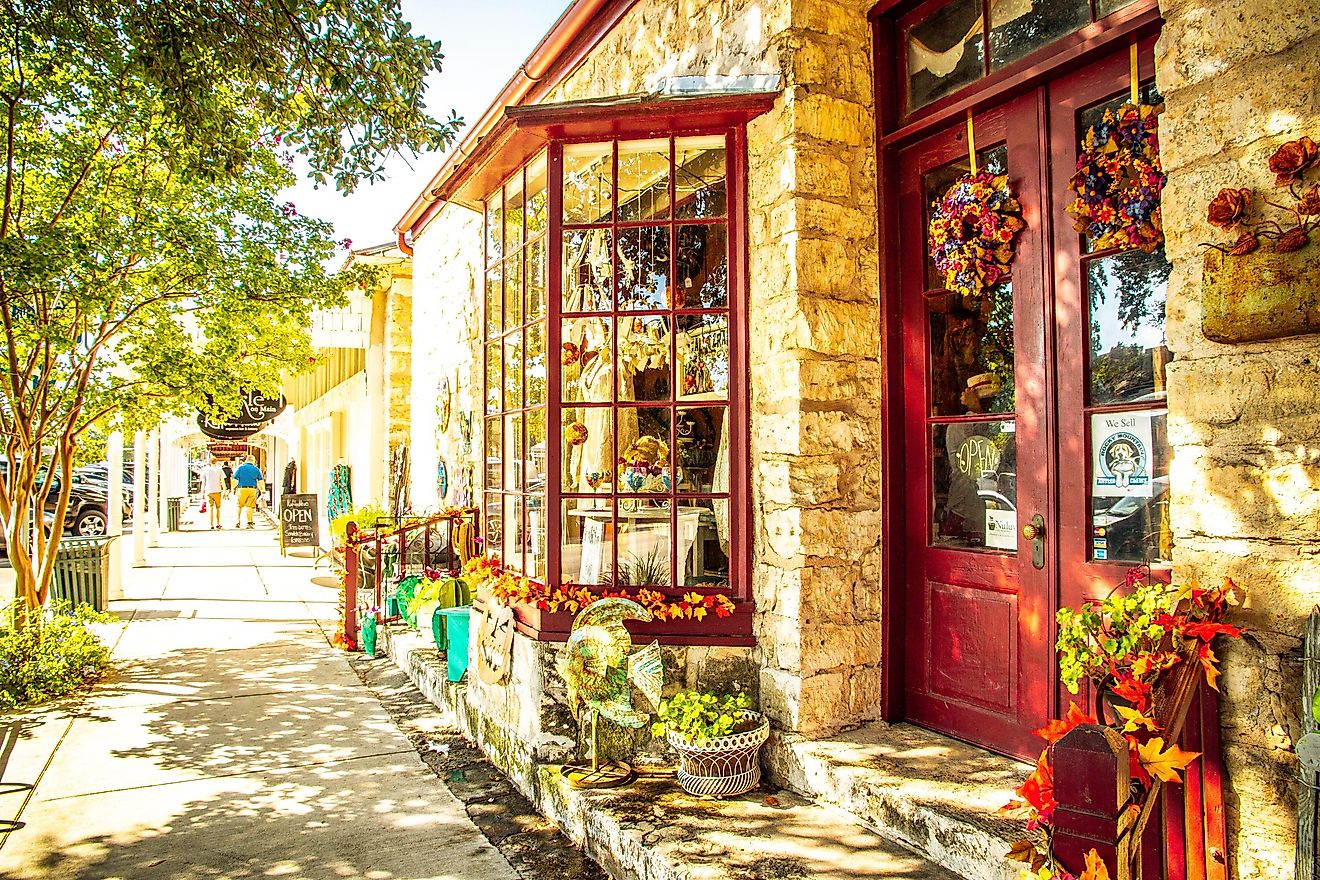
484 42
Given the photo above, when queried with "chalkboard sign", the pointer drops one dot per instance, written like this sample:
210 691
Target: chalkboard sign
300 525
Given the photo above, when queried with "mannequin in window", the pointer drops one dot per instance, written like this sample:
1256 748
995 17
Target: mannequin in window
974 456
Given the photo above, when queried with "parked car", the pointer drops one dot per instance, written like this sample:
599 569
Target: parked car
86 514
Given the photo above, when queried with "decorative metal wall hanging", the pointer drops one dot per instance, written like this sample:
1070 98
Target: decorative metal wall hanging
495 643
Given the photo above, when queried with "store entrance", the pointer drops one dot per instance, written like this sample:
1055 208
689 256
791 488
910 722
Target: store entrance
1033 406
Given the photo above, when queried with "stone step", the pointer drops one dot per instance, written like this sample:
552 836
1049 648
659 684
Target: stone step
652 830
934 794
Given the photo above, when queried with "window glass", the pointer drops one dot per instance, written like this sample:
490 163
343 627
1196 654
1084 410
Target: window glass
703 357
700 189
1020 27
640 413
536 197
1128 350
945 52
494 229
974 467
643 267
1130 486
644 180
701 264
588 183
588 270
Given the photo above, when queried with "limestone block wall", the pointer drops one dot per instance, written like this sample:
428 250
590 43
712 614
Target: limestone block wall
445 278
814 369
1239 78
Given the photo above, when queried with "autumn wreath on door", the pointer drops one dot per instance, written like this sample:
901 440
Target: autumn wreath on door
973 228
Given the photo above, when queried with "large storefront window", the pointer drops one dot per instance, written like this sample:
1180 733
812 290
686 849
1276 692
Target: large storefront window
618 453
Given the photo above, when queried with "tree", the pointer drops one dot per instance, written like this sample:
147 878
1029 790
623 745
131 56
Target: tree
147 264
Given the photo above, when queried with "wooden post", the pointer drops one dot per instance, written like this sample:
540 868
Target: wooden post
1092 788
350 582
1308 754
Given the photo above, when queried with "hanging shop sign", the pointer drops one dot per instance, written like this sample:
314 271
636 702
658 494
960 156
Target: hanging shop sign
257 411
299 524
218 429
1120 450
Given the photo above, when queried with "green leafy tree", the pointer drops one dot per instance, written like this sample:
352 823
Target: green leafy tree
147 263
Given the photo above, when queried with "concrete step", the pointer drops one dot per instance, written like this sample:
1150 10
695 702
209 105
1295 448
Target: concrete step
934 794
652 830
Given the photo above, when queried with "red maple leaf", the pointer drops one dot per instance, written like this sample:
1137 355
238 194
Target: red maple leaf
1059 727
1207 631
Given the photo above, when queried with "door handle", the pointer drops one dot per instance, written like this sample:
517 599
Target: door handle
1034 531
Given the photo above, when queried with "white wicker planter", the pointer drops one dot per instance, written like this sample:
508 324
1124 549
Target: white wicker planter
721 767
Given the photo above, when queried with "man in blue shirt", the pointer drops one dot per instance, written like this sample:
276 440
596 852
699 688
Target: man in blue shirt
249 480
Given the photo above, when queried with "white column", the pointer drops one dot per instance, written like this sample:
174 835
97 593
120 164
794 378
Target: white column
153 489
139 498
114 514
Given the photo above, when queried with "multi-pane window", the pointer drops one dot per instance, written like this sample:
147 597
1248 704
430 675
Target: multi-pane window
644 395
515 365
632 484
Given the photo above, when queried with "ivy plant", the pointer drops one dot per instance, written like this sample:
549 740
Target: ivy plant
701 717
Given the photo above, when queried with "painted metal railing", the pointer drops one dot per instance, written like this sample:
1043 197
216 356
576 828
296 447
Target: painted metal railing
377 558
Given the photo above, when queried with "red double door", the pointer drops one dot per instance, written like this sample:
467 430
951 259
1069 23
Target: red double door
1010 396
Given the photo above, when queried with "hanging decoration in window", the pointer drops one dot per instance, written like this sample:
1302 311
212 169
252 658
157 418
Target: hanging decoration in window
1118 180
973 227
972 232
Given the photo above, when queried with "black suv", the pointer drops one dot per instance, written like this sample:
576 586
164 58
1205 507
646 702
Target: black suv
86 514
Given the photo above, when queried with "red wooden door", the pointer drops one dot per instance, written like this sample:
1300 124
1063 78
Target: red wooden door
979 663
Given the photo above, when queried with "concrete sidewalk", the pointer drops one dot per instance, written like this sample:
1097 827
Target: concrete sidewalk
231 741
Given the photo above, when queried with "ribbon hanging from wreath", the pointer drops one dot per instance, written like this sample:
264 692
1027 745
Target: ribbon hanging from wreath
973 227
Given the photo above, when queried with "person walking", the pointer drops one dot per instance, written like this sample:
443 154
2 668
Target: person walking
213 484
228 469
249 480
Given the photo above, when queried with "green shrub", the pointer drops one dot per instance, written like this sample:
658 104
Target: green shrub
699 718
50 654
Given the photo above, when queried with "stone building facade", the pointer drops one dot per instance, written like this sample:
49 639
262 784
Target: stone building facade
826 487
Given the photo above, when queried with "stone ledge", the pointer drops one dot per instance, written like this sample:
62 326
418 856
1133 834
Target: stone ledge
935 795
651 830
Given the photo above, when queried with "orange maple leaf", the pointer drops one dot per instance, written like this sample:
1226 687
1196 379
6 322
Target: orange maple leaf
1058 727
1208 661
1095 868
1164 763
1135 719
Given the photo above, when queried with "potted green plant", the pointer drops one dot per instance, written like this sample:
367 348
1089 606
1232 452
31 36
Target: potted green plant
432 593
718 739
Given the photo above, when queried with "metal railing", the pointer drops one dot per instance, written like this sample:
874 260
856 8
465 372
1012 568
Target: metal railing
377 559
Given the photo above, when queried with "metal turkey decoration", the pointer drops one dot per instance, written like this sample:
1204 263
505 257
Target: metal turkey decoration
601 669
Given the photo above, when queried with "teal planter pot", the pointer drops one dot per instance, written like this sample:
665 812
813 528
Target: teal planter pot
456 640
391 607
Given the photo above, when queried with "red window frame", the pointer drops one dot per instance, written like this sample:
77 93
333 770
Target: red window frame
709 120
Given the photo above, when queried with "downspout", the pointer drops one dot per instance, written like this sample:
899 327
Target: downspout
403 244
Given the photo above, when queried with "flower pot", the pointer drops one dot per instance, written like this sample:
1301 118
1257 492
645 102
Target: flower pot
724 766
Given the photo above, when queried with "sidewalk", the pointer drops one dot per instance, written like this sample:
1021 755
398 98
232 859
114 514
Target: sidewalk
231 741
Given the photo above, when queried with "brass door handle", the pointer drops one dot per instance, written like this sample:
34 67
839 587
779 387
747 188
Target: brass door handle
1032 531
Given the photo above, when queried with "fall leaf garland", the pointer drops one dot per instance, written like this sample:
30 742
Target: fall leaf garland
512 588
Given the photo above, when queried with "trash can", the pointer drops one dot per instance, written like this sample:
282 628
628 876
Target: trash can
456 637
82 571
173 513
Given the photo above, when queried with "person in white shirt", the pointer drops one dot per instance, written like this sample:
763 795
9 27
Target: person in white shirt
213 484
